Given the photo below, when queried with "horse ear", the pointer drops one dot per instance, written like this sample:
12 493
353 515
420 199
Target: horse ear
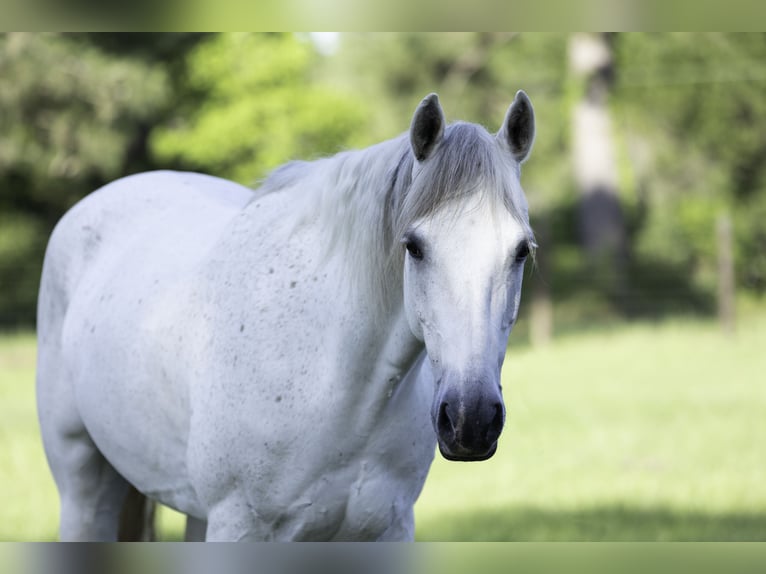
427 128
518 131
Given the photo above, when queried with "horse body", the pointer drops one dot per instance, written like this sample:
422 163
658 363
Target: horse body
252 358
306 438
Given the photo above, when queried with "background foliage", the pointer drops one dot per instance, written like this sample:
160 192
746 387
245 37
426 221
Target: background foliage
79 110
259 105
75 112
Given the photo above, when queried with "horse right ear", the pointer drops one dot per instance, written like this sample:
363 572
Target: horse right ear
427 128
518 131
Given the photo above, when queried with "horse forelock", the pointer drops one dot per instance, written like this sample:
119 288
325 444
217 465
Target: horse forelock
468 161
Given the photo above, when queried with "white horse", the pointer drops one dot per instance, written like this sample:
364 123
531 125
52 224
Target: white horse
280 364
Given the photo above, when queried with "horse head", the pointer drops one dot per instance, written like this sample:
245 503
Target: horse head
463 265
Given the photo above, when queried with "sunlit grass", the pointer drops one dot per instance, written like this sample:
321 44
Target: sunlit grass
28 499
642 432
652 432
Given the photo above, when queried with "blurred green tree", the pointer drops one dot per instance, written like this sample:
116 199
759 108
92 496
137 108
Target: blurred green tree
78 110
73 115
65 111
691 109
262 106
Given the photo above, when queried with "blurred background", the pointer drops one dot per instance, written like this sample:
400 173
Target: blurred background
636 377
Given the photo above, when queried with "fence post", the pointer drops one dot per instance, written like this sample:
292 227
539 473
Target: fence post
726 287
541 316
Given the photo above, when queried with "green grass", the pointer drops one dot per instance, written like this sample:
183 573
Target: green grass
28 500
646 432
642 432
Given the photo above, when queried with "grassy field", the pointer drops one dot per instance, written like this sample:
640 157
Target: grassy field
643 432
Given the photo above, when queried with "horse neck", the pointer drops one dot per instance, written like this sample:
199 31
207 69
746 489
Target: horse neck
350 198
372 258
385 355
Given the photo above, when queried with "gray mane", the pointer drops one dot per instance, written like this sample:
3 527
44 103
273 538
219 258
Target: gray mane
368 199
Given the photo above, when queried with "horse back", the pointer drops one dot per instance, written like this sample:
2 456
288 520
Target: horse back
138 212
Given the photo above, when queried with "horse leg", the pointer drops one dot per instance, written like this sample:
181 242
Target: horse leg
137 521
137 518
402 527
195 529
92 491
231 520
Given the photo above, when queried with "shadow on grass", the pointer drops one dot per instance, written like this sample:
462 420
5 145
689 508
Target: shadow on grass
597 524
603 523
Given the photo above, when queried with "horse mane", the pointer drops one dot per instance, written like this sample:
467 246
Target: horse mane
367 199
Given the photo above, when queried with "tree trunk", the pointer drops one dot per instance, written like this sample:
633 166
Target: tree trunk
600 218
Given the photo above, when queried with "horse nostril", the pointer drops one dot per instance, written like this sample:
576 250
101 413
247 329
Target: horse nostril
444 422
496 426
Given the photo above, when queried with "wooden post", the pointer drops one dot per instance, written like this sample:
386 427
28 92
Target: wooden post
726 287
541 315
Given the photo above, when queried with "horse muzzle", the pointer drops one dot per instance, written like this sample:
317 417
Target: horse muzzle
468 424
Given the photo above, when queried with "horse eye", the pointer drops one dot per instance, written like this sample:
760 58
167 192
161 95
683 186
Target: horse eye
522 253
414 250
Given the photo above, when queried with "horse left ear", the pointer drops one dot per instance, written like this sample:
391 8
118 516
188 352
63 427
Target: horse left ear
427 128
518 131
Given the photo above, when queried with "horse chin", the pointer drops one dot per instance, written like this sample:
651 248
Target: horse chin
466 456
